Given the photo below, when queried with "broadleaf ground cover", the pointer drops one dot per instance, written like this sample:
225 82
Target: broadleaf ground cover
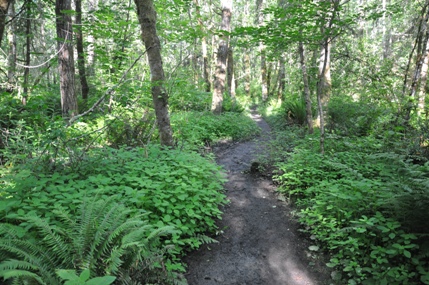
364 201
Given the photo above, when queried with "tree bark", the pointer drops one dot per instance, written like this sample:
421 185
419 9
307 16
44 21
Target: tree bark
247 72
147 18
307 94
27 54
92 7
282 75
423 86
264 80
222 54
65 58
423 37
230 73
4 6
11 60
80 53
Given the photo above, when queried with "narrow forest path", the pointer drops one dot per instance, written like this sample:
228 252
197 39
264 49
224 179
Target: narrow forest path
260 243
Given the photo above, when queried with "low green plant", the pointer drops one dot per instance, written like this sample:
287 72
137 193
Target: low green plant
101 236
198 129
71 278
365 206
171 187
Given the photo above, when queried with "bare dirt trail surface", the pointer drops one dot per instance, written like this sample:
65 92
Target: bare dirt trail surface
260 243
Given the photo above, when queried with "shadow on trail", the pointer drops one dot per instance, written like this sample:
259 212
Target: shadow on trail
259 243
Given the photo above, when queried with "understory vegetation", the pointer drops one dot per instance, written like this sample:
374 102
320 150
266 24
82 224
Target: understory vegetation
100 202
365 201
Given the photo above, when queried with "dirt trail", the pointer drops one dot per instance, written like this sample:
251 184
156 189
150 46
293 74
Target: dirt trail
260 243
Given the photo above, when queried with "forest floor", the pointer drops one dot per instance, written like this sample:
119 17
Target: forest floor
259 241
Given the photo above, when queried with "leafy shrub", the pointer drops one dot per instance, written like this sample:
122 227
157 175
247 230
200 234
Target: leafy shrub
130 127
352 117
295 111
102 236
365 206
197 129
230 104
183 96
173 188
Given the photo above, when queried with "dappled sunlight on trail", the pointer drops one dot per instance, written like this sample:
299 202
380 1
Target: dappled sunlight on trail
259 243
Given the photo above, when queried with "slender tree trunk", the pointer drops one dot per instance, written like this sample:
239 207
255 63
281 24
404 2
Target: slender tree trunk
423 37
222 55
230 72
206 67
11 60
264 81
307 94
27 54
4 6
320 99
80 53
147 18
92 7
65 58
247 72
423 85
282 75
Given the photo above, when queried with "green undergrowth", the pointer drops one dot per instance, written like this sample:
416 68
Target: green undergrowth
170 188
195 130
365 205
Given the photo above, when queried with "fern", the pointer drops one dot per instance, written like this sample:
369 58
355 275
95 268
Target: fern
102 238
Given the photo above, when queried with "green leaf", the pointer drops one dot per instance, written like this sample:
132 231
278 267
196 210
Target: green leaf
407 254
67 274
105 280
84 275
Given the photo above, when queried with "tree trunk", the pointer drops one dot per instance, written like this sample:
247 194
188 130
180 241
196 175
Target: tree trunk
4 6
80 53
423 85
147 18
247 72
11 60
65 58
264 81
307 94
423 37
27 54
230 73
282 75
222 54
206 67
92 7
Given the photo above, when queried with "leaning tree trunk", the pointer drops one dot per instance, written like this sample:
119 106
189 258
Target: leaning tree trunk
222 55
147 18
65 58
